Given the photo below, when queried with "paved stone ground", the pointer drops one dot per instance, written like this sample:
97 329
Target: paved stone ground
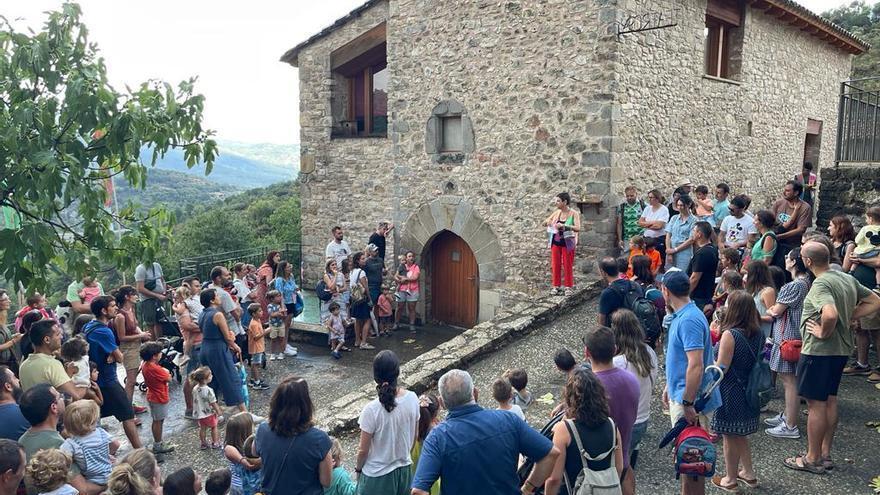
856 444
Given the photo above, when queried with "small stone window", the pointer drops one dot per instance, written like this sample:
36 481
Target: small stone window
723 36
449 135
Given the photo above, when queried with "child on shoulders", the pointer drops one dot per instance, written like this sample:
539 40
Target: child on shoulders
340 482
89 445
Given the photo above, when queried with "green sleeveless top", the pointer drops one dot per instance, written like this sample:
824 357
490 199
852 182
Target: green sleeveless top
758 253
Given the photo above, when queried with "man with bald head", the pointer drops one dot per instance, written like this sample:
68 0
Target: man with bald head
835 299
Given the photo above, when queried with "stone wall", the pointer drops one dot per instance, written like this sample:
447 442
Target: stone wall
344 181
848 189
675 123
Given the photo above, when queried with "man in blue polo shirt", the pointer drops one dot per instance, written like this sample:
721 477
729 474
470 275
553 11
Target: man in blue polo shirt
476 450
688 352
105 353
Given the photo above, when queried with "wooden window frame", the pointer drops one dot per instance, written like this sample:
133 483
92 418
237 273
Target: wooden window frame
718 41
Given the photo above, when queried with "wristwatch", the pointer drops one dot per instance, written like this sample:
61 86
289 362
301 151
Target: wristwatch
687 403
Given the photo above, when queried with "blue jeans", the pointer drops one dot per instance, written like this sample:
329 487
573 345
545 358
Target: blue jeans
638 432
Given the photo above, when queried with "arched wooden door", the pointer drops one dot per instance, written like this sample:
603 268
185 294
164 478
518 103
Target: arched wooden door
454 281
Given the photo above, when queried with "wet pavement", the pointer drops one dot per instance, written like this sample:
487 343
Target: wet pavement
855 451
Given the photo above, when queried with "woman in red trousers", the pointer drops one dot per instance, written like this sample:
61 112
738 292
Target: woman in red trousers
562 228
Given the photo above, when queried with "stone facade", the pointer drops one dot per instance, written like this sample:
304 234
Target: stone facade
848 189
555 102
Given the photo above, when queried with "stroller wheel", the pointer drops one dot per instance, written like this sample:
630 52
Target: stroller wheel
142 387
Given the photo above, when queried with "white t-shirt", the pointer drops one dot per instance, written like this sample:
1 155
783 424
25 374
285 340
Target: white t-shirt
338 251
242 288
515 409
662 214
646 383
737 229
355 276
393 434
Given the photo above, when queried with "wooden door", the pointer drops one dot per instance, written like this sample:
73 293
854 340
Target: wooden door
454 281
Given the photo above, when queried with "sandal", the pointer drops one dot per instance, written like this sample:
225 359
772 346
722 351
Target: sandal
751 483
800 463
346 349
827 463
874 377
734 488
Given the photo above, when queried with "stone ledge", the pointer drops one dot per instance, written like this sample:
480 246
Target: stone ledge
421 373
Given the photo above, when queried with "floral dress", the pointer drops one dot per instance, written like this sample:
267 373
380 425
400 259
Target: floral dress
788 326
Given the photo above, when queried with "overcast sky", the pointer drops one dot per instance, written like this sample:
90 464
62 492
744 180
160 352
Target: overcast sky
233 46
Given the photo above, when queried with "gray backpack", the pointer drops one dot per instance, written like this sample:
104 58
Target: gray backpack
589 482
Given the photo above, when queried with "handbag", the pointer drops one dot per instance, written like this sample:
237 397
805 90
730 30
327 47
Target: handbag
790 350
298 305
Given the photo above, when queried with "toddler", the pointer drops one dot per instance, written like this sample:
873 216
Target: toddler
91 289
88 444
257 346
218 482
205 408
705 208
75 352
340 482
502 392
383 310
157 379
47 471
868 240
728 260
277 311
519 379
564 361
637 247
184 317
730 281
245 470
336 331
651 252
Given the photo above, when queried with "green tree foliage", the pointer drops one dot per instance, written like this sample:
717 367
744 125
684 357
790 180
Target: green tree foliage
63 132
264 217
863 20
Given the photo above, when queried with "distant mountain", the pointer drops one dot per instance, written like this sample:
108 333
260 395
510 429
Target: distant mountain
281 155
179 192
234 169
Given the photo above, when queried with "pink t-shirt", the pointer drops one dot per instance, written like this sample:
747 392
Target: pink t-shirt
413 286
88 294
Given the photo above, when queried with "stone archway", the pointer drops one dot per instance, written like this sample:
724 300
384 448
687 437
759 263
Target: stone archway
454 214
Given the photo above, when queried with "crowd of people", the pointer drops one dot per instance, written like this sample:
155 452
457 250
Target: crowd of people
716 290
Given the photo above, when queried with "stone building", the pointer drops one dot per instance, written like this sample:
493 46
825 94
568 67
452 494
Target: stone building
460 120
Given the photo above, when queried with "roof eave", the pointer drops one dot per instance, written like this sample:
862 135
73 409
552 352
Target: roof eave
292 56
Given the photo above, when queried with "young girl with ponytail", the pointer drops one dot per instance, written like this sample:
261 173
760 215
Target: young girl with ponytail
388 432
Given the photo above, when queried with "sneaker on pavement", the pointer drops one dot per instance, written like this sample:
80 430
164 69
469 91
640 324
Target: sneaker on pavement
262 385
162 448
783 431
857 369
775 421
367 347
160 458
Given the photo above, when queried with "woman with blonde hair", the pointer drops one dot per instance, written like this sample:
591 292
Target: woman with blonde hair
637 357
137 474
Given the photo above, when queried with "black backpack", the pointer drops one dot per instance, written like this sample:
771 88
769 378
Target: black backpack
322 292
645 310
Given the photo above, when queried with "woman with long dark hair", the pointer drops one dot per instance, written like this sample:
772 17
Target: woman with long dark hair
265 274
130 337
296 455
563 225
786 315
388 429
286 285
765 247
843 237
736 352
360 309
429 407
759 283
587 416
637 357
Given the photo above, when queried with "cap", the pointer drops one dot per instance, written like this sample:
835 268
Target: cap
678 283
686 183
372 248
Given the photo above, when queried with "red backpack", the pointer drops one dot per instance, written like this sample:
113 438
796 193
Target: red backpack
695 453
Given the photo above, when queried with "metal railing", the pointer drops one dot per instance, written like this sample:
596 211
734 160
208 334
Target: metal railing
857 122
200 266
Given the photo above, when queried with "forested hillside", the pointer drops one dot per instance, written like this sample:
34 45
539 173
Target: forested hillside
863 20
180 193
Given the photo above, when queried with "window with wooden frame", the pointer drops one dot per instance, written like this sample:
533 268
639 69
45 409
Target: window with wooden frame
360 94
723 38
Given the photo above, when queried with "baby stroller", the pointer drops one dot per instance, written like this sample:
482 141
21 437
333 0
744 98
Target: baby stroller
172 347
525 469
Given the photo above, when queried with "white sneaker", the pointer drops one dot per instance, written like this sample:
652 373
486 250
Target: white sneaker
783 431
273 357
290 350
279 357
775 421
